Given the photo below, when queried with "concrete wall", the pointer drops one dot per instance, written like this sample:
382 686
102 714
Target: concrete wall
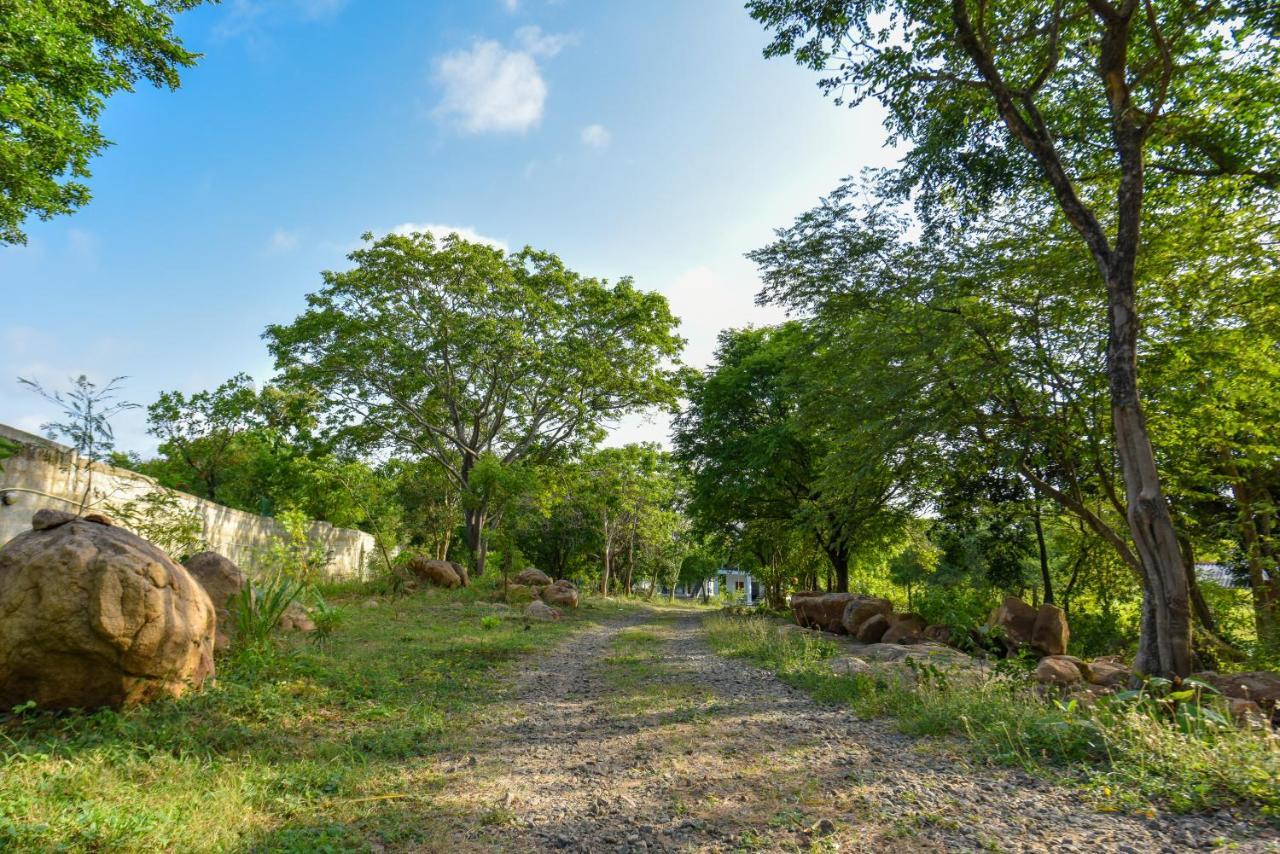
46 474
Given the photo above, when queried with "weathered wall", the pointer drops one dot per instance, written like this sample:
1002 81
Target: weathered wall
46 474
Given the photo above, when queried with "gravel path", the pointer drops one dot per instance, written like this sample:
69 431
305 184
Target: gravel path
635 736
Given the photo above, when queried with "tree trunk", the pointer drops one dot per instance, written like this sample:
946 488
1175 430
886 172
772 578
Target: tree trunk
1264 601
1045 579
839 557
1165 644
475 522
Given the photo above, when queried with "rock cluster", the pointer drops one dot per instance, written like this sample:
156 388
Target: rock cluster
1020 625
94 615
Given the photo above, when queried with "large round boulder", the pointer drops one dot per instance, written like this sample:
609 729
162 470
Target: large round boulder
438 572
862 608
562 594
532 577
1050 634
92 615
1015 620
223 581
536 610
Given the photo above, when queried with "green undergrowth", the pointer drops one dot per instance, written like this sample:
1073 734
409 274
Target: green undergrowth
1124 757
306 749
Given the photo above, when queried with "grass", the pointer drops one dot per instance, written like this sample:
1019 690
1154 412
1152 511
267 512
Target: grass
319 747
1126 759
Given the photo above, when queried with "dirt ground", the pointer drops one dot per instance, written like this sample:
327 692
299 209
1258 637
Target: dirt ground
636 736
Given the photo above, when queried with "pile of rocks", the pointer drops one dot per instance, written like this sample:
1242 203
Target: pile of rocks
869 619
546 596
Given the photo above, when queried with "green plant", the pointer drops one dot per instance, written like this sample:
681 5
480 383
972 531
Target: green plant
161 518
491 621
257 608
327 617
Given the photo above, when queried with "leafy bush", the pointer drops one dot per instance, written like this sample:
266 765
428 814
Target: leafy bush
490 621
258 607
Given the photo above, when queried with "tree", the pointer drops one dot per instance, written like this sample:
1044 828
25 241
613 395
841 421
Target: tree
1082 102
87 410
59 62
453 350
761 445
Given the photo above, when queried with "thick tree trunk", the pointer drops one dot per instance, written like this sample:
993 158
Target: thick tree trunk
839 557
1165 644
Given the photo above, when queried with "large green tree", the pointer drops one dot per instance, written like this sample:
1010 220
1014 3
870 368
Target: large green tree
456 350
1083 103
60 60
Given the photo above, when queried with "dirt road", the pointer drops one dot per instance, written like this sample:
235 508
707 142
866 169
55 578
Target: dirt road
635 736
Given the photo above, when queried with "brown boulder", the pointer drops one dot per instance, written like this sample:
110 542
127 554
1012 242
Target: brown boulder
536 610
1260 686
1016 619
904 628
518 593
95 616
296 619
873 629
562 593
1057 670
824 611
938 634
222 580
461 572
862 608
1108 673
437 572
47 519
532 577
1049 634
1246 713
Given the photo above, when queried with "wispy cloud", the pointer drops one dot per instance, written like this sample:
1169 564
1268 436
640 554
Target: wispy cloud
283 240
596 136
466 232
249 18
489 88
511 5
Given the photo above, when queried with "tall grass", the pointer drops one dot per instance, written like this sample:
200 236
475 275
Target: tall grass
1124 755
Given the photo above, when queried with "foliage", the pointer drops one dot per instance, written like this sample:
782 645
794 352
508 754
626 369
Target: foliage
257 608
7 449
59 62
452 350
160 517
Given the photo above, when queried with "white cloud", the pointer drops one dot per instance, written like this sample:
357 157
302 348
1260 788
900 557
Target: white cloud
490 88
596 136
511 5
710 299
283 240
249 18
538 43
465 232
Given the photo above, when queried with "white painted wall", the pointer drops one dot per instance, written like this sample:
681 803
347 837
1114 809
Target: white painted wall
46 474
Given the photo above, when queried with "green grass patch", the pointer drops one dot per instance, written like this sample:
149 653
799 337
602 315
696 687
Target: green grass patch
322 746
1125 758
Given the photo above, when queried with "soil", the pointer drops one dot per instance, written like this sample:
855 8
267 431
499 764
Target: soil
636 736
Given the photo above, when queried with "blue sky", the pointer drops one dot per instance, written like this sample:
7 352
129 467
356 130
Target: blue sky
648 139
